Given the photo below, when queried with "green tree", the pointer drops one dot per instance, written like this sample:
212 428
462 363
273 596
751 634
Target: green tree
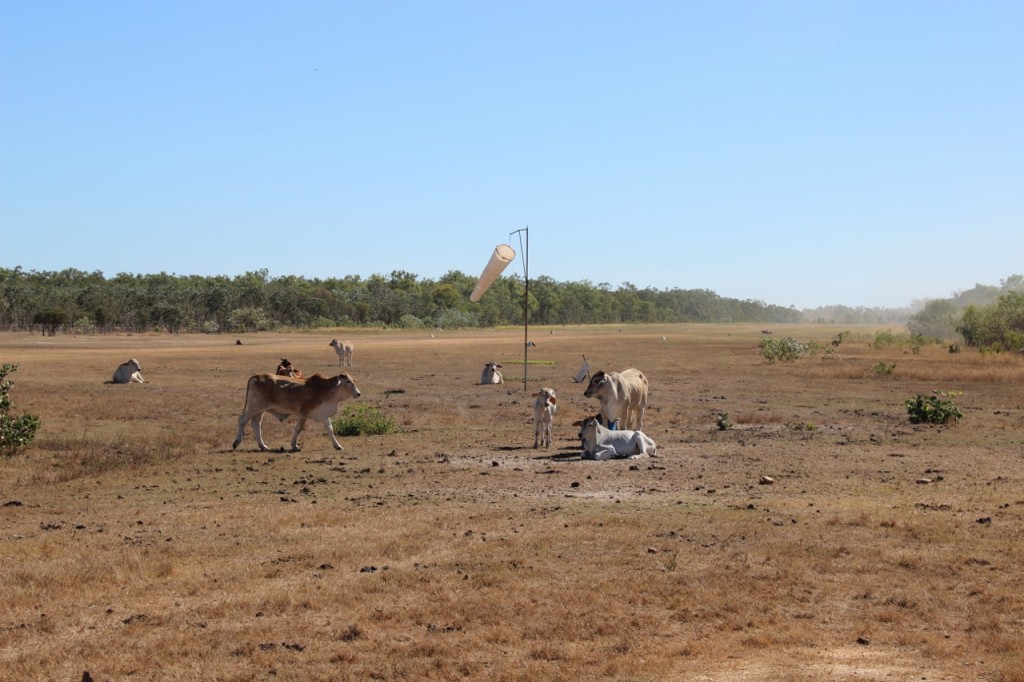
15 432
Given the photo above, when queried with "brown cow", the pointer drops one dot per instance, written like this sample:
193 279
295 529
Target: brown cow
287 369
314 398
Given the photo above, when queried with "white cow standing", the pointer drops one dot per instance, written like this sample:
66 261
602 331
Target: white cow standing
344 351
128 372
601 443
623 397
490 374
544 408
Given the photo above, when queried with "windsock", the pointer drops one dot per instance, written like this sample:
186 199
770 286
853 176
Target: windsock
501 257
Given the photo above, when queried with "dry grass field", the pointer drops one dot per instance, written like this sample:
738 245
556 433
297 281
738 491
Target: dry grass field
137 545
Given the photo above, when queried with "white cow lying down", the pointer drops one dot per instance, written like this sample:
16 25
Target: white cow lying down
128 372
601 443
491 374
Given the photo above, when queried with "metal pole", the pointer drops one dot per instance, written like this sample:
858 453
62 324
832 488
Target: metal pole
526 300
526 314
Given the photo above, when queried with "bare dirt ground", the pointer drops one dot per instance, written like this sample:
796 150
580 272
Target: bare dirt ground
136 544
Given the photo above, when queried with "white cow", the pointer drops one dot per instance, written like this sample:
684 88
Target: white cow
344 351
491 375
314 398
623 397
543 415
601 443
128 372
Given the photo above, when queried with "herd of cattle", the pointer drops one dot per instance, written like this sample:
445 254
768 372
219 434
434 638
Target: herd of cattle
614 432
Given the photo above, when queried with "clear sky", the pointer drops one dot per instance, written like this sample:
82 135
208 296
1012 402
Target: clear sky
862 152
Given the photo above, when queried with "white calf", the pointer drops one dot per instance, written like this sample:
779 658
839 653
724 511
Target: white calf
491 375
128 372
543 415
600 443
344 351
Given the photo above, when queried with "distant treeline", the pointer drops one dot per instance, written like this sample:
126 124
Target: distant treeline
88 302
985 317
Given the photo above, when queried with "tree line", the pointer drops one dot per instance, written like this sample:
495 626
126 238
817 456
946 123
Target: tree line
88 302
985 316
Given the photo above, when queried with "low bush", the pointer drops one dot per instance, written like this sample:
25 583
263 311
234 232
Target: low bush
786 349
15 432
884 368
933 409
362 419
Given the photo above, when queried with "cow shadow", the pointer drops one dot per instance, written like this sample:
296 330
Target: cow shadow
563 455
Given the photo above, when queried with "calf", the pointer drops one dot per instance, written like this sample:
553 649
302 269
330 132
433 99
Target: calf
128 372
491 375
543 415
344 350
600 443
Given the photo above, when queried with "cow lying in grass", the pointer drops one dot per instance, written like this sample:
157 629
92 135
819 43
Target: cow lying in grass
491 374
601 443
128 373
287 369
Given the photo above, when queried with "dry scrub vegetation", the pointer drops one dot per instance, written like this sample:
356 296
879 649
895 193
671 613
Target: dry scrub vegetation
137 545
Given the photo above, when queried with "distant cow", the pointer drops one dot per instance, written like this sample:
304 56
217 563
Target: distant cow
128 372
623 397
600 443
543 415
315 398
491 375
344 351
286 369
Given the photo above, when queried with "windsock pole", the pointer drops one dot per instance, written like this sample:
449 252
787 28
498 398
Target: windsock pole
526 301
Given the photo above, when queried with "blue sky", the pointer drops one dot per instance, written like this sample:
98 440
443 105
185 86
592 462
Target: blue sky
801 153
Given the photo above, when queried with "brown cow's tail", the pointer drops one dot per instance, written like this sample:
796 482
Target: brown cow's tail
248 390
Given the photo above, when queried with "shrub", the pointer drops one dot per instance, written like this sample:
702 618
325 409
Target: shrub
1000 325
785 349
410 321
15 432
933 409
884 368
361 419
722 421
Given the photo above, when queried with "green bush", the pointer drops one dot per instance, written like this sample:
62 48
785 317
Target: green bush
410 321
15 432
883 368
785 349
999 326
933 409
362 419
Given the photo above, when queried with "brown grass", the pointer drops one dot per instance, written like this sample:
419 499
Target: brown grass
137 545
